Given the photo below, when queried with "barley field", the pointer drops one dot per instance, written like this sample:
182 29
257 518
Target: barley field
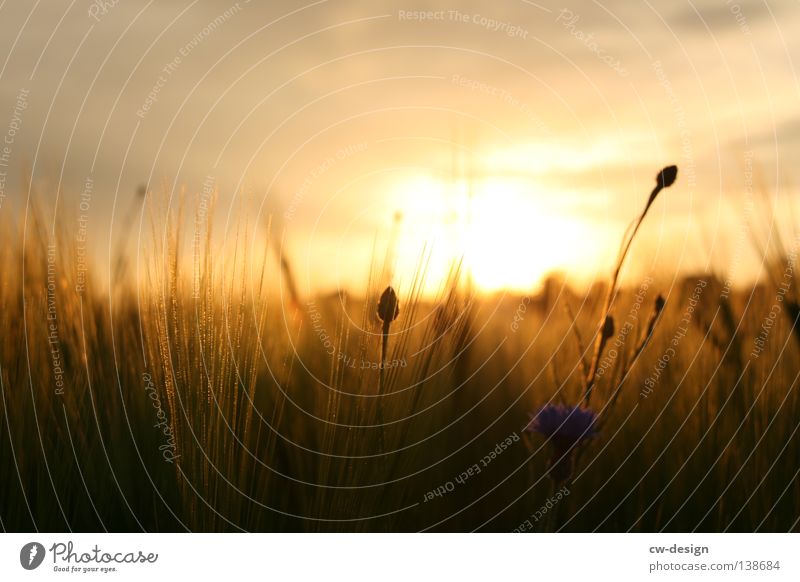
202 390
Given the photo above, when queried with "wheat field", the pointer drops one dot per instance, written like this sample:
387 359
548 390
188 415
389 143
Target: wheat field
199 391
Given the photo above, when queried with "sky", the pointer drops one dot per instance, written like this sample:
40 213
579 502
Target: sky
522 136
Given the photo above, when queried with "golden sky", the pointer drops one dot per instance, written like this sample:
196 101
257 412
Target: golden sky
521 135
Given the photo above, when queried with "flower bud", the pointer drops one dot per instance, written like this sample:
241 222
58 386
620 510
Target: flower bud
388 306
666 177
608 327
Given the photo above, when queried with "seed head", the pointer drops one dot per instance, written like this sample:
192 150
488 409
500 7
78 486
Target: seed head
660 302
666 177
388 306
608 327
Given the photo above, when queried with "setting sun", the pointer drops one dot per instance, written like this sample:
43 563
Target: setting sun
508 238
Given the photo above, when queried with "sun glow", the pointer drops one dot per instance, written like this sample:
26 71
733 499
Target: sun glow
509 237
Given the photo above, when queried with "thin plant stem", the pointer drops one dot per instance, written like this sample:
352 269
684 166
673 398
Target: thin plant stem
664 179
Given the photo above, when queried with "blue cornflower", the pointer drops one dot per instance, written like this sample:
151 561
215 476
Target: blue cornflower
565 427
